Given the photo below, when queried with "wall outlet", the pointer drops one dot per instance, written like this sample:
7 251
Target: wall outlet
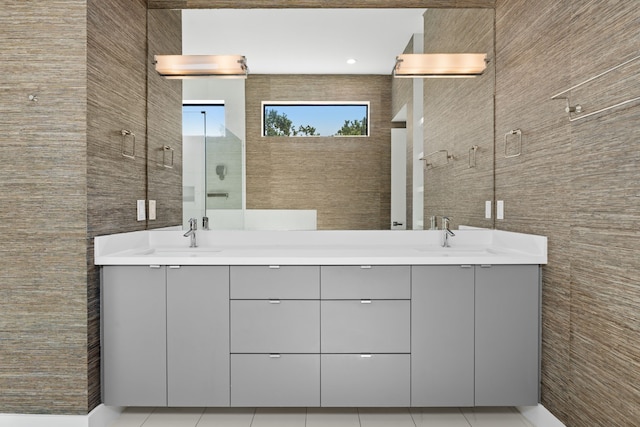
487 209
152 210
500 209
141 210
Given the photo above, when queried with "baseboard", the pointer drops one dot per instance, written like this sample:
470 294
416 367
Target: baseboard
101 416
539 416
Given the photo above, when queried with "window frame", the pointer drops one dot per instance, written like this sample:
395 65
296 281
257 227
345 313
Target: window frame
366 104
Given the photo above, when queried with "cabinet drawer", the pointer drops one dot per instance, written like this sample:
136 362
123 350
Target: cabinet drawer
374 282
275 380
284 282
365 380
371 326
277 326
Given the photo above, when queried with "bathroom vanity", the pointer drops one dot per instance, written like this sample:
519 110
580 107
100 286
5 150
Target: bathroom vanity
389 319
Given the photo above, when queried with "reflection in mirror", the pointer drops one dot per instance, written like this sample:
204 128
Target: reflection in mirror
458 116
346 184
213 182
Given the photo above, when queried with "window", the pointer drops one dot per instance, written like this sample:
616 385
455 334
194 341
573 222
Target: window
315 119
203 119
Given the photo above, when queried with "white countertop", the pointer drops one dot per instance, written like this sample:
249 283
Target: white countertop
469 246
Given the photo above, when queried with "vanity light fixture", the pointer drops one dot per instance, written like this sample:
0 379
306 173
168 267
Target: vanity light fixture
433 65
191 66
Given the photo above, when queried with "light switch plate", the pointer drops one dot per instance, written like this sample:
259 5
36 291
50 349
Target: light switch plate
141 210
487 209
500 209
152 210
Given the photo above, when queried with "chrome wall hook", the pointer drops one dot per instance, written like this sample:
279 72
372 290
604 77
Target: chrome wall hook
33 98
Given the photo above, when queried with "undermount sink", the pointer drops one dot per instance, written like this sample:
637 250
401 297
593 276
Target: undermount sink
457 252
181 252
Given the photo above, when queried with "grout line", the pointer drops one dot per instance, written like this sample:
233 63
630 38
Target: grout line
148 416
201 415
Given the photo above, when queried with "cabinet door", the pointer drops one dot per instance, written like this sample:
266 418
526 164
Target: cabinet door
198 336
366 326
507 335
134 336
284 282
275 326
365 380
442 336
275 379
366 282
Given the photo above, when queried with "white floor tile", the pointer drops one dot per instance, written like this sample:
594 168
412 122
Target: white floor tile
132 417
332 417
436 417
495 417
385 417
279 417
174 417
226 417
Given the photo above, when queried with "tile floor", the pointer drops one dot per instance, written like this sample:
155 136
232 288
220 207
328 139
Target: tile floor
320 417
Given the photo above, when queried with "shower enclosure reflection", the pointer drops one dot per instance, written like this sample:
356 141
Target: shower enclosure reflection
214 182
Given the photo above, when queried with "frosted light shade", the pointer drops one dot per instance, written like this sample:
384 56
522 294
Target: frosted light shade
440 65
185 66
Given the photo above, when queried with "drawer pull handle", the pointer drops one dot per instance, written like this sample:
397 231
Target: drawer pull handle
365 356
485 266
274 267
365 301
365 266
274 301
274 356
154 266
174 267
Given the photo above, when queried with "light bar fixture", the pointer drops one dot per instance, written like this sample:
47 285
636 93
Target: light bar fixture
433 65
190 66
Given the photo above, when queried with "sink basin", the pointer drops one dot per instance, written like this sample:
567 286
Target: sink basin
455 252
180 252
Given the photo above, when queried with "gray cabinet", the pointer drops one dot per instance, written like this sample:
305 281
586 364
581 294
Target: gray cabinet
442 336
365 335
134 336
366 282
275 380
426 336
275 326
366 326
507 335
198 336
275 282
365 380
275 335
165 336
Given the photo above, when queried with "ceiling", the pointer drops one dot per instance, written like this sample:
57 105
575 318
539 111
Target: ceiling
303 41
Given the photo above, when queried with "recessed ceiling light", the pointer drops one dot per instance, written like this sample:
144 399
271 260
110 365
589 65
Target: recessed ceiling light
351 61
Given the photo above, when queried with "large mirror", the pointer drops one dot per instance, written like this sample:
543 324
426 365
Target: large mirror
430 139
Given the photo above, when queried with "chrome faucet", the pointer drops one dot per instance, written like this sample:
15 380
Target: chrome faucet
193 226
446 232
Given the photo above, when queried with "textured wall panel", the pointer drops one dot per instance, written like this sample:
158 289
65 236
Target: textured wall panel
208 4
347 179
116 100
43 314
164 120
577 183
458 114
